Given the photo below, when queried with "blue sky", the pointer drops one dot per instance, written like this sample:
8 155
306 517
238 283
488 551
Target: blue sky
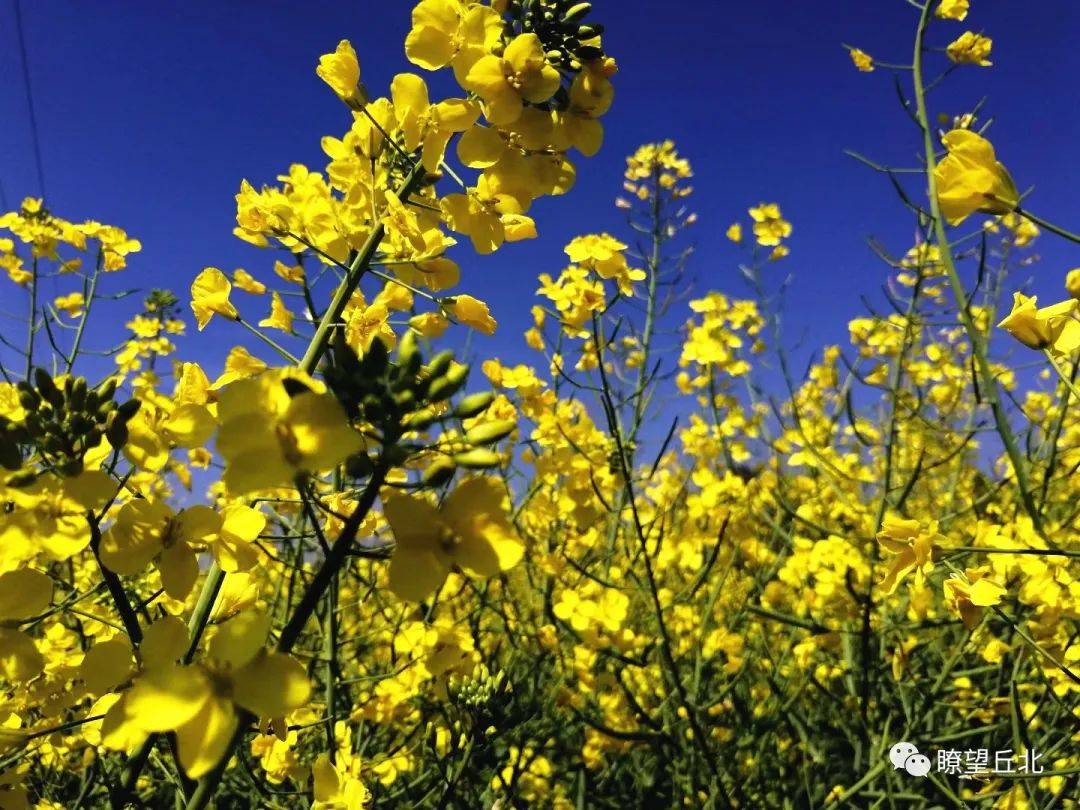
150 114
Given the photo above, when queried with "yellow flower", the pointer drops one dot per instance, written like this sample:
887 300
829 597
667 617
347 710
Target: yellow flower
341 70
24 593
210 295
336 788
164 422
862 61
1072 285
71 304
145 530
914 548
247 282
199 701
506 82
603 254
967 595
473 313
268 437
483 213
49 515
734 232
428 125
240 364
970 49
1056 327
280 317
952 9
470 531
769 225
450 32
969 178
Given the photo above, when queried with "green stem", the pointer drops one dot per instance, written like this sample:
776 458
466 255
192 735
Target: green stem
1049 226
987 382
357 268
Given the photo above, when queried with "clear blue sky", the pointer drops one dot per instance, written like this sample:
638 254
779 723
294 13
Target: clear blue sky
150 116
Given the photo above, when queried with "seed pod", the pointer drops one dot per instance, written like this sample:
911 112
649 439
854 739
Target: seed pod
474 404
478 459
449 384
438 473
490 432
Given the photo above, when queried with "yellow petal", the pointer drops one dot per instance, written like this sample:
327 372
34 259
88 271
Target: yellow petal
241 638
164 642
165 698
272 685
106 665
24 593
204 739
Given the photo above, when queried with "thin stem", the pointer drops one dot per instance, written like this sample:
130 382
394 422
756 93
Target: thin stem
1049 226
986 378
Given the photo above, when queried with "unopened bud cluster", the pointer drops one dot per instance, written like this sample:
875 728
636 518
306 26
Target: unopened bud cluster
561 27
63 421
403 393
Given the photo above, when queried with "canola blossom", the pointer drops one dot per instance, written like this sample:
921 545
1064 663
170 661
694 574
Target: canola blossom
651 561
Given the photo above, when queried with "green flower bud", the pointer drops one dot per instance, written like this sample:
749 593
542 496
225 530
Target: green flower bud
405 400
478 459
438 472
47 388
116 432
107 389
125 411
575 13
439 364
490 432
474 404
449 384
418 420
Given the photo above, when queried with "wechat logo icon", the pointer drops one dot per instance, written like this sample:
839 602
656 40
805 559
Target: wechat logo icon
906 756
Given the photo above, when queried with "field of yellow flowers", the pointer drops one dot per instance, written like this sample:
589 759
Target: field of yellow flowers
341 566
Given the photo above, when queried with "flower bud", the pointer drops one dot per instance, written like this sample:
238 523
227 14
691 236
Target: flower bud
490 432
438 472
478 459
449 384
575 13
474 404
